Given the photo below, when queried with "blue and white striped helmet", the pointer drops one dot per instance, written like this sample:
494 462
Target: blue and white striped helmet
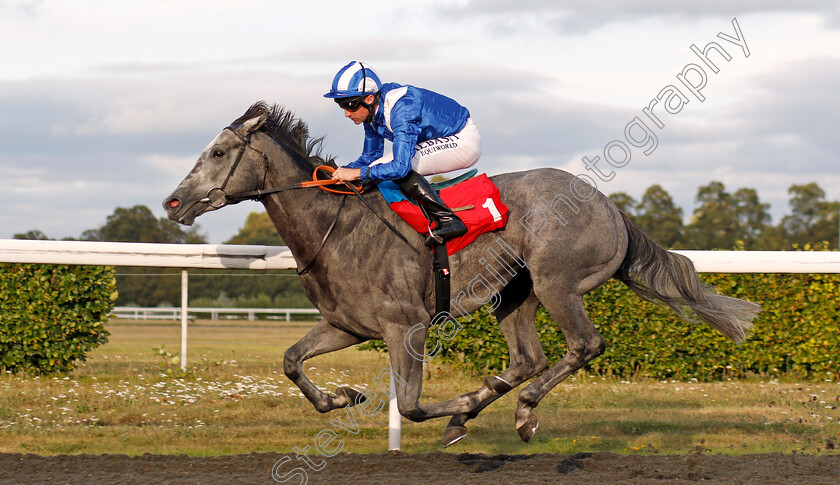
354 79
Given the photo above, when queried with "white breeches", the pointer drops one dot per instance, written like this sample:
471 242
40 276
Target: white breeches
445 154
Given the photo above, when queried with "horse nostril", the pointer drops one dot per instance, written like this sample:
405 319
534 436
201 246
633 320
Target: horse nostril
173 203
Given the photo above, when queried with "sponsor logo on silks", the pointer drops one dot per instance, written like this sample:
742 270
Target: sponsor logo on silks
438 141
438 144
437 148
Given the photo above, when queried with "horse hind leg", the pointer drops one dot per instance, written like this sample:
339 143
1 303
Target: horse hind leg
321 339
584 344
516 315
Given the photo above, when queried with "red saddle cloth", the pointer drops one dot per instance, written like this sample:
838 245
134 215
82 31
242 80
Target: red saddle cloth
476 201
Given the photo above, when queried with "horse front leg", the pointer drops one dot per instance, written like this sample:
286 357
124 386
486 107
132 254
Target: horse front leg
516 315
407 354
321 339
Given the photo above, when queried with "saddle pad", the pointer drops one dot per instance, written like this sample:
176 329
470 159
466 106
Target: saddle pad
488 213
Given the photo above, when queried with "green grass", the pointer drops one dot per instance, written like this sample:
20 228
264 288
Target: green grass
120 401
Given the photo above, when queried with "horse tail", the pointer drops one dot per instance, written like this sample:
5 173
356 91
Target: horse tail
654 273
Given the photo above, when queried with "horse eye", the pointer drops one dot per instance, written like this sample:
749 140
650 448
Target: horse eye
218 153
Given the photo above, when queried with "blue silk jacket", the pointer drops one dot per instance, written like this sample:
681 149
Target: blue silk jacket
406 115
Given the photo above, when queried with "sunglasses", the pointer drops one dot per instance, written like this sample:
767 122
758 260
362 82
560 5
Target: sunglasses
350 104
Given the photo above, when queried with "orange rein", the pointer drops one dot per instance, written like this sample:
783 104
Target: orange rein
323 183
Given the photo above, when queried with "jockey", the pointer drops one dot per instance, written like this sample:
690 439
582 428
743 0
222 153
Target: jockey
431 134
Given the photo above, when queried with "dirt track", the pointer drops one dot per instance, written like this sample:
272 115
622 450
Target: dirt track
433 468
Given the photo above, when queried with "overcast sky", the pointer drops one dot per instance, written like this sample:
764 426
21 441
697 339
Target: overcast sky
108 104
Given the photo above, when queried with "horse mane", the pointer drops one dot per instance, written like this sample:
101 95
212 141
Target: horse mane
293 133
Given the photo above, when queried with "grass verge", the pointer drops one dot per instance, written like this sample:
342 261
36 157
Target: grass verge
237 400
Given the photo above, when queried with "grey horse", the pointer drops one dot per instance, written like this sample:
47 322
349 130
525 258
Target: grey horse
563 239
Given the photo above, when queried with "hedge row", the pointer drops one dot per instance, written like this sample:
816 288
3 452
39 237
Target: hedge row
797 333
52 315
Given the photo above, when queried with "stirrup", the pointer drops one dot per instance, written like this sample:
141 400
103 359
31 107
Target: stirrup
433 239
437 239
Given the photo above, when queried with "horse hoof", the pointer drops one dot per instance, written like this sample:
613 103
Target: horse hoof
527 430
347 396
453 434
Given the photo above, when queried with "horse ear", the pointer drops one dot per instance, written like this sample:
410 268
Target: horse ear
253 124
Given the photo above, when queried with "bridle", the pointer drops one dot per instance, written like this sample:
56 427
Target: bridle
227 199
256 195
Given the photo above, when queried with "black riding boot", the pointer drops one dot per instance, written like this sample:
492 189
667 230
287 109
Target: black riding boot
447 224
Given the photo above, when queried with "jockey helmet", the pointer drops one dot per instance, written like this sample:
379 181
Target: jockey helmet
354 79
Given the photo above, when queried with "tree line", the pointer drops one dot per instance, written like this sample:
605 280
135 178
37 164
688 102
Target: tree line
724 220
721 220
141 286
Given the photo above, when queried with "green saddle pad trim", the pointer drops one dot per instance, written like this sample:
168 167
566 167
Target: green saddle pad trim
456 180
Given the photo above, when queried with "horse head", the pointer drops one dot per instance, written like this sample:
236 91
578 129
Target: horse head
229 164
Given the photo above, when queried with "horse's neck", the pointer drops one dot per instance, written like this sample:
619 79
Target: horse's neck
303 216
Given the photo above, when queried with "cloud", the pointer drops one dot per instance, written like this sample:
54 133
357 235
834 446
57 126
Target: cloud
75 148
582 16
779 132
122 123
26 8
801 100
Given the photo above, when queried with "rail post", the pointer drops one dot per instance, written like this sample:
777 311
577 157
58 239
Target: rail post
184 314
394 423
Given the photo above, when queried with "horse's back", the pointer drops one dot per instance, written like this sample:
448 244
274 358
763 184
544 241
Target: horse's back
562 224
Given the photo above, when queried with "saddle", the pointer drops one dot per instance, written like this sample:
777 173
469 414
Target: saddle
474 199
477 203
